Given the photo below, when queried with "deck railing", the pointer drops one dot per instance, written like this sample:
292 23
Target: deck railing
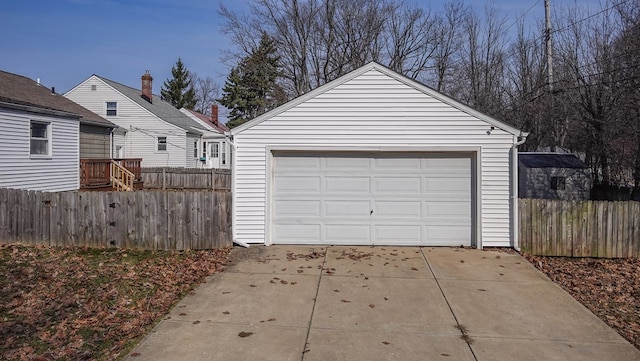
121 178
97 172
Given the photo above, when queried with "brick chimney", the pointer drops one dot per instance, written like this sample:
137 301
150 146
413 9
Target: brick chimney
214 114
147 87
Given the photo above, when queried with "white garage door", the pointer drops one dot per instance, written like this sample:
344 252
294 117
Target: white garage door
372 199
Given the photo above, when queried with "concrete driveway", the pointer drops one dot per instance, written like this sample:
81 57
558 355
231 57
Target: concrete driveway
380 303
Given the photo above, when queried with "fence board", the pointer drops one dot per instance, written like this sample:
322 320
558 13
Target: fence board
580 229
165 220
186 178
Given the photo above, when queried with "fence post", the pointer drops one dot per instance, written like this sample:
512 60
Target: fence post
163 179
213 179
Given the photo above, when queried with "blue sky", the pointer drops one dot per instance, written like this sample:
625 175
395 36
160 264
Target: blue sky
63 42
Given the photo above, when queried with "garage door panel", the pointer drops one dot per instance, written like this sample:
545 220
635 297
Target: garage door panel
297 163
347 184
448 209
448 236
298 208
297 233
347 208
408 164
351 163
397 234
285 184
448 185
396 185
398 209
347 233
373 198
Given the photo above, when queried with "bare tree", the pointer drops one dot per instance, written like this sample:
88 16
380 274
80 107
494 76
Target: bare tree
482 64
207 91
321 40
448 32
527 106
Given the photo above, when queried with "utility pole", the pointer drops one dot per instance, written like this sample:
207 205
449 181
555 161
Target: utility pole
549 50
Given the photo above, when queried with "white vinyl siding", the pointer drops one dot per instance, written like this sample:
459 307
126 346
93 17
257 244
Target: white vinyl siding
372 111
192 160
118 144
58 171
143 128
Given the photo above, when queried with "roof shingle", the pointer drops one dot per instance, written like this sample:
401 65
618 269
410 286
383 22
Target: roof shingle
20 90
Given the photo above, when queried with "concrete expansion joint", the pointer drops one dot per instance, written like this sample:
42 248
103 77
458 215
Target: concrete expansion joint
463 330
315 302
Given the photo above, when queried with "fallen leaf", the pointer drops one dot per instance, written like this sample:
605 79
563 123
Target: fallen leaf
386 342
284 282
372 305
196 322
345 301
226 313
245 334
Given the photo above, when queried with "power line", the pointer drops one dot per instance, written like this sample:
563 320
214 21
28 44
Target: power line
521 16
589 17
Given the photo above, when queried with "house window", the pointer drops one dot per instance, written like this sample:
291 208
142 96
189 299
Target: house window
112 108
558 183
162 143
224 154
215 150
204 150
195 149
40 138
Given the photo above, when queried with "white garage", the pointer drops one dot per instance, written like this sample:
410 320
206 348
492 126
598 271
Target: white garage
375 158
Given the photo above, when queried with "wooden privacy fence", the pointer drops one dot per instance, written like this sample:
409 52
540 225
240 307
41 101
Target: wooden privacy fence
143 219
187 178
580 228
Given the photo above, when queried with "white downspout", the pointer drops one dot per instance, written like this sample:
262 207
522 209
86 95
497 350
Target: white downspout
228 137
519 140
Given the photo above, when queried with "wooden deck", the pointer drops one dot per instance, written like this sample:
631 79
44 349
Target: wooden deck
95 174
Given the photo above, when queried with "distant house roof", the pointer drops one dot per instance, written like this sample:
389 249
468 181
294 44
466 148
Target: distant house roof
550 160
158 107
20 90
219 127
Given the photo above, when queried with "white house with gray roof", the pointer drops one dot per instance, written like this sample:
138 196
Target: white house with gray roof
156 131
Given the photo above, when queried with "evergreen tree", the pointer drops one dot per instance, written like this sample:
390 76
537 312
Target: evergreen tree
179 90
251 88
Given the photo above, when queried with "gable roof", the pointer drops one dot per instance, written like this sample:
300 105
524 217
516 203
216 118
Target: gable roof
157 107
392 74
218 127
550 160
20 90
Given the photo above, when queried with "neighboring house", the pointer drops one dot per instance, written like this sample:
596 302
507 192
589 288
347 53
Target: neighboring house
375 158
43 135
156 131
553 176
213 149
